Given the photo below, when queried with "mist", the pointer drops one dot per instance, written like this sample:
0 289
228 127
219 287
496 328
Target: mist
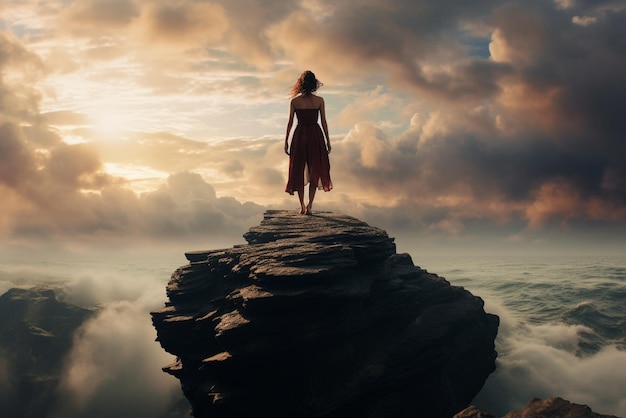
540 361
114 366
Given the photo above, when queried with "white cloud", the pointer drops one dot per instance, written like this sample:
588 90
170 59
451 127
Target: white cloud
540 361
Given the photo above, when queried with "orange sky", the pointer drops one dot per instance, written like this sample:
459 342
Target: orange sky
499 121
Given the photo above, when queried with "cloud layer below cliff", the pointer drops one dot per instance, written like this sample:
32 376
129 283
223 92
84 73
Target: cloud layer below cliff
114 366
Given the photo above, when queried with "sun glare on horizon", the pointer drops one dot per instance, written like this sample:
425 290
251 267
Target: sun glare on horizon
140 178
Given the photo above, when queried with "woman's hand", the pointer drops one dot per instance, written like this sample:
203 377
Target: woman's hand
328 147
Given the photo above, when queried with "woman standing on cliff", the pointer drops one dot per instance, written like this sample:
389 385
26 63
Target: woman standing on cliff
308 156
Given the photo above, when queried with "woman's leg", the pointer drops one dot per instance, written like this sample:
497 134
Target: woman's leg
312 190
301 198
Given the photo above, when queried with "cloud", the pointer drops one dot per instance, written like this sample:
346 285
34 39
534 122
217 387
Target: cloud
111 369
19 70
371 105
63 191
114 366
444 116
540 361
442 166
159 150
249 20
55 190
404 42
17 161
98 17
64 117
183 22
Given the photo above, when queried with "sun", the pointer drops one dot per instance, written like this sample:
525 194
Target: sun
109 122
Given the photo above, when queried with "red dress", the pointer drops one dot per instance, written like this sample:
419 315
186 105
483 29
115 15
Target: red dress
308 159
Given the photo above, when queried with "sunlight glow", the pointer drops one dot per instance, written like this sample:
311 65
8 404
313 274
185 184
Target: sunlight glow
111 123
140 178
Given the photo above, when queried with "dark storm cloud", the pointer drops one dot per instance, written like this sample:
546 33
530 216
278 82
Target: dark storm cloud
595 6
419 45
401 26
583 67
459 178
549 138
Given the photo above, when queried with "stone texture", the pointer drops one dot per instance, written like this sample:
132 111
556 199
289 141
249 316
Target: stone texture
555 408
473 412
537 408
319 317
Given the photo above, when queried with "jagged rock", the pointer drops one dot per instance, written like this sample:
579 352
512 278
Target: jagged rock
473 412
36 332
319 317
555 408
537 408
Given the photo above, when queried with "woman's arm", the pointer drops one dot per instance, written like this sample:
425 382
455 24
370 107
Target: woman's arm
324 124
289 125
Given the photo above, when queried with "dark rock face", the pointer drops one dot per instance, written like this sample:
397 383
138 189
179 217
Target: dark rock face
556 408
319 317
36 333
537 408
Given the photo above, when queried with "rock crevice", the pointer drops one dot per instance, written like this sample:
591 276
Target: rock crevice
317 316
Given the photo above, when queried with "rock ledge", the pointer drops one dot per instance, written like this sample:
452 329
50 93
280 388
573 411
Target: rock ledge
317 316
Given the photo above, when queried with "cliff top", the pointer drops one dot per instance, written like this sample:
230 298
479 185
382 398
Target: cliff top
317 316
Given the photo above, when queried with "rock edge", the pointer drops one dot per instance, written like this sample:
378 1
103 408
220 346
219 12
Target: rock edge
317 316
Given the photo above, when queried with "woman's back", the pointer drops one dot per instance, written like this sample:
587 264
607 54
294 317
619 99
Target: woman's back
307 117
307 101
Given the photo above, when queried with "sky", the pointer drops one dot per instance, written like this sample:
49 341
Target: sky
485 124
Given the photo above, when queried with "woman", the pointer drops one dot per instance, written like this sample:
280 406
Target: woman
308 157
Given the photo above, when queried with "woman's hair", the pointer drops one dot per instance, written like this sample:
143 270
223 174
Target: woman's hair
306 84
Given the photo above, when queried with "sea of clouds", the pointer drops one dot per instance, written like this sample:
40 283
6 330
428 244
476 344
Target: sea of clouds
540 361
114 368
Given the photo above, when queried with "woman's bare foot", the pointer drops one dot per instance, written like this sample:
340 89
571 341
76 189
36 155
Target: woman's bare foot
308 209
303 210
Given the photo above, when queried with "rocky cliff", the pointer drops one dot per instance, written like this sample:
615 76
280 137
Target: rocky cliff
537 408
36 332
317 316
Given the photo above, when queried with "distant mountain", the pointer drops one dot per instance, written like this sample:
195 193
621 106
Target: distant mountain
36 334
